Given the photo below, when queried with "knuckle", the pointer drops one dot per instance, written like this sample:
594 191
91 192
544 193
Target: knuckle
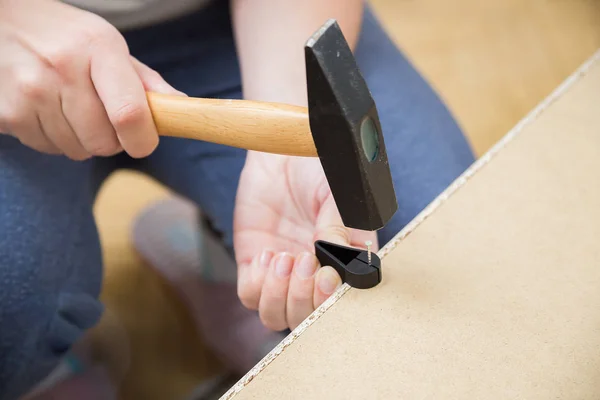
299 296
279 296
64 68
127 115
104 149
31 85
61 59
61 56
103 145
100 34
10 119
97 30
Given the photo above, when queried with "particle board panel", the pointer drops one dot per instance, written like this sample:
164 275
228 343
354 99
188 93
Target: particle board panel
490 293
493 61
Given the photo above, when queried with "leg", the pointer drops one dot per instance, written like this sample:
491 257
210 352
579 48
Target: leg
50 263
426 148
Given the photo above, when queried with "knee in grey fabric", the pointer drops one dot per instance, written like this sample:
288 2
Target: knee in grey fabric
50 263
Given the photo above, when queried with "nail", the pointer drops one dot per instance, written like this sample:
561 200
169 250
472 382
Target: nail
369 243
329 280
265 259
283 265
306 266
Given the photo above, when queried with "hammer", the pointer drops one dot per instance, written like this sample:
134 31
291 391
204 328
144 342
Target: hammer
340 126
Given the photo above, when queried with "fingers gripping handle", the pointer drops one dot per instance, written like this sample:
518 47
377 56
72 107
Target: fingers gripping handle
252 125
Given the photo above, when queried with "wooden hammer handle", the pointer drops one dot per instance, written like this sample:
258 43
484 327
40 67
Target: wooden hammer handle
252 125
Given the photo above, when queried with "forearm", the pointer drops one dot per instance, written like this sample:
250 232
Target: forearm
270 37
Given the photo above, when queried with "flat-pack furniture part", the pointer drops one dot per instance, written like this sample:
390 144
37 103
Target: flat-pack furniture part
492 292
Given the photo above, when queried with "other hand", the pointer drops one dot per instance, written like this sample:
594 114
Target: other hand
68 84
283 205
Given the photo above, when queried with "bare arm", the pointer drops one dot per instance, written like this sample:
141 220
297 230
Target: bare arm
270 37
283 203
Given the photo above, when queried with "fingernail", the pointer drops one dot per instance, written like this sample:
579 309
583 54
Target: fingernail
265 258
306 266
283 266
329 280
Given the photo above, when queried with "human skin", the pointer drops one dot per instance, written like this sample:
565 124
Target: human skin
284 204
70 87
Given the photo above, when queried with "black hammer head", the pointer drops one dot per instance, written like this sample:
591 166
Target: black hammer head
347 133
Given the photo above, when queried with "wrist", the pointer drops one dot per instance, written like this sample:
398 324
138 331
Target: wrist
293 93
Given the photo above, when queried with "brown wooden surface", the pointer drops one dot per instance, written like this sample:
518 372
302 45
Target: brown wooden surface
491 61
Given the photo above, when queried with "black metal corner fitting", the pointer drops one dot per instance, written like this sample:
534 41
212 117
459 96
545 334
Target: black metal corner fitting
351 264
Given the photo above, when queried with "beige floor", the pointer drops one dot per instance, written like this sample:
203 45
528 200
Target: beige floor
492 61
